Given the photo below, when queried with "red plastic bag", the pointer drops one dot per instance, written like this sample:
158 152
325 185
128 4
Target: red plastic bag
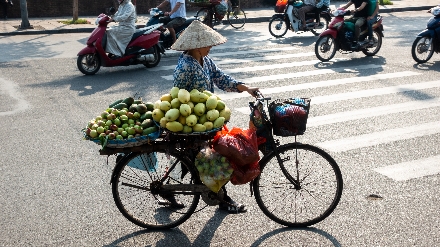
244 174
238 145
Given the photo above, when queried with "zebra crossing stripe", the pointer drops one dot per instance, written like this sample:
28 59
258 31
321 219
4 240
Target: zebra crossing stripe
351 95
380 137
411 169
252 59
372 112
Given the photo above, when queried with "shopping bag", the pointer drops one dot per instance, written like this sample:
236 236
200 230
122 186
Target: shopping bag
238 145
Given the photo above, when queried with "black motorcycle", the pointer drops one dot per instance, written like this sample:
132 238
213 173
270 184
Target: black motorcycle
428 40
166 40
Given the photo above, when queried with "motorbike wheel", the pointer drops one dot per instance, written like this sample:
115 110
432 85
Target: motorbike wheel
323 25
278 27
88 64
371 51
325 48
156 60
422 49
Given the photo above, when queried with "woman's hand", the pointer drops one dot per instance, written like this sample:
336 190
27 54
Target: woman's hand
251 90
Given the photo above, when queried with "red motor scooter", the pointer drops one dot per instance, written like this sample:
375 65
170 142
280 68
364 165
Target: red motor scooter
144 48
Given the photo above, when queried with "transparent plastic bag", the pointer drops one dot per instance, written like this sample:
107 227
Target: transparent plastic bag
214 169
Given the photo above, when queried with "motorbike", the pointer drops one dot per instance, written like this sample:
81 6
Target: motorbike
143 49
340 36
166 40
287 18
428 40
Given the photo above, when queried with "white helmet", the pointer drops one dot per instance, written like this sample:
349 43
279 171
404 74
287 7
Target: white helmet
435 11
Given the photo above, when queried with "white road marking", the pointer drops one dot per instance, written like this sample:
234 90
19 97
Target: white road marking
380 137
372 112
251 59
10 88
411 169
342 96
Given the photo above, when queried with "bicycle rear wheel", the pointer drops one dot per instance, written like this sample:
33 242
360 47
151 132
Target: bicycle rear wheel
132 182
236 17
320 183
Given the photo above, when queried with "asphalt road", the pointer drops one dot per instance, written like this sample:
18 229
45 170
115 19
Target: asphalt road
372 114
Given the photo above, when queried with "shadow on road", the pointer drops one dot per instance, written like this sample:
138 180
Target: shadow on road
326 235
175 237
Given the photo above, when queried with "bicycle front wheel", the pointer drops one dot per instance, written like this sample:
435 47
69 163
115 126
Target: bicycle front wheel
236 17
132 182
319 179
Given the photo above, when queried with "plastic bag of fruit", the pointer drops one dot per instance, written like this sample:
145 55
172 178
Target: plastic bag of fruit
214 169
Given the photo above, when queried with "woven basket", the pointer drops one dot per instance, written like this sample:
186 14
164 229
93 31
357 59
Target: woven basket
289 117
132 142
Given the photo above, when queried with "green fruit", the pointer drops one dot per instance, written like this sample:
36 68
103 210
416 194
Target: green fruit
165 105
226 113
212 115
183 96
141 108
185 110
163 122
211 102
120 106
166 97
220 105
115 103
132 108
187 129
175 103
128 101
157 115
149 105
199 109
219 122
174 126
198 97
172 114
209 125
182 119
147 123
207 92
174 92
191 120
149 130
202 119
199 128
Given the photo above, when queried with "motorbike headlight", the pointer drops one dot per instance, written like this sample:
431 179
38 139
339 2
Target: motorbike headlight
97 21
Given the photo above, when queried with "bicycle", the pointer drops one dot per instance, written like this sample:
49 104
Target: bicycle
299 184
235 16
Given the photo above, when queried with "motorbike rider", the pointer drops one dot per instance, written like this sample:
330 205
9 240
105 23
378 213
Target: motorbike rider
359 18
196 70
120 35
371 19
176 17
308 6
321 6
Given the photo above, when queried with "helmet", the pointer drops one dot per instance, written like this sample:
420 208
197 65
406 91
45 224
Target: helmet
435 11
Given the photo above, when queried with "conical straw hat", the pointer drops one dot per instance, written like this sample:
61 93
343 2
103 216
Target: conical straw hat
197 35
